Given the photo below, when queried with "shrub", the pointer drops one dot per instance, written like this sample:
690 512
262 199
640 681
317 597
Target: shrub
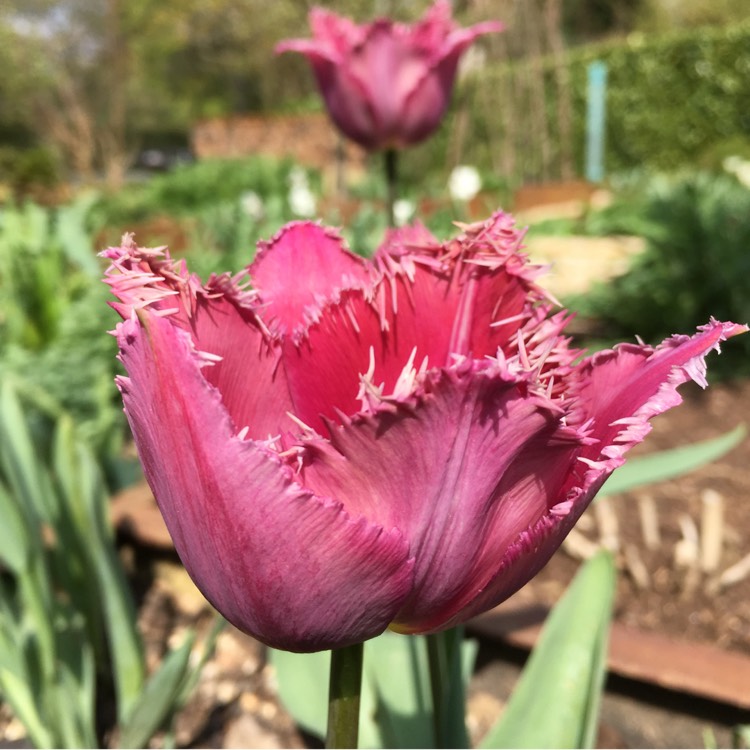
696 265
25 169
671 99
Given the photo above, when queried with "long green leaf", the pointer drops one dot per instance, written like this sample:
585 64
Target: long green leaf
158 699
16 691
24 474
303 687
119 615
194 671
397 680
556 701
75 689
15 542
656 467
104 597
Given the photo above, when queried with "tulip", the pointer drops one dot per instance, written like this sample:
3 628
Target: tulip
386 85
339 446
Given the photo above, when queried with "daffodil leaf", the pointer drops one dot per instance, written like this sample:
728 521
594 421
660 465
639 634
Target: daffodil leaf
556 701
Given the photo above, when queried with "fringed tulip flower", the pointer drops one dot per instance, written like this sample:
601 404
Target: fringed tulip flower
386 85
339 446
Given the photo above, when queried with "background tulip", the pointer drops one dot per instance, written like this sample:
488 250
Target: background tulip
352 445
385 84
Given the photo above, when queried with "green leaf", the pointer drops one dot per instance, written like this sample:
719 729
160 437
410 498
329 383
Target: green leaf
73 234
15 541
556 701
105 596
398 708
741 735
75 691
656 467
24 473
158 700
16 691
194 671
303 687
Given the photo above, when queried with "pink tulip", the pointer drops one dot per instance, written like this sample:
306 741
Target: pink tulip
386 85
351 445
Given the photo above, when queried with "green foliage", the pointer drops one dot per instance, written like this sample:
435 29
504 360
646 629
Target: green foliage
192 187
52 314
68 632
695 266
58 594
741 736
223 206
671 99
556 701
23 169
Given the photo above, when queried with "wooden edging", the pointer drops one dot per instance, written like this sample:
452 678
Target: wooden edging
678 665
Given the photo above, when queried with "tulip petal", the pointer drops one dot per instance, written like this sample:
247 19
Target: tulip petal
289 567
429 92
248 372
389 66
346 96
469 296
302 267
463 469
221 320
621 390
432 303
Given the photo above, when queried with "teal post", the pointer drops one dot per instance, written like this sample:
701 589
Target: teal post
595 121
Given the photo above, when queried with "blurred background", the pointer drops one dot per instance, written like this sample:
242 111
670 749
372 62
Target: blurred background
618 130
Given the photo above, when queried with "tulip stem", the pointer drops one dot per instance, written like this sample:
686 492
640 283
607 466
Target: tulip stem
343 696
391 180
444 656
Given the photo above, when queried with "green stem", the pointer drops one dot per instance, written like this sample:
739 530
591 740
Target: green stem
438 669
390 162
343 696
446 683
